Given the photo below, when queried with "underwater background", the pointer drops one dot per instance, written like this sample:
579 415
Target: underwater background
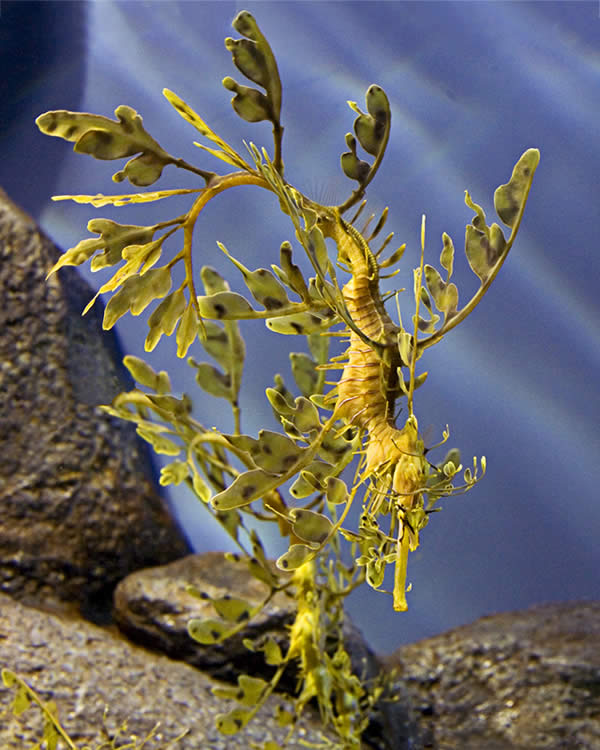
471 85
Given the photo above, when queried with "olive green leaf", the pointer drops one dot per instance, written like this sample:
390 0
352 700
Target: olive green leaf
22 699
223 151
296 556
145 375
232 608
262 284
250 104
114 238
174 473
352 166
159 443
225 306
290 273
99 200
447 255
304 372
208 632
187 330
484 245
272 451
216 343
246 488
255 59
136 294
312 527
301 323
233 721
337 491
269 647
200 487
248 691
303 414
211 379
104 138
510 199
164 318
445 294
372 129
311 478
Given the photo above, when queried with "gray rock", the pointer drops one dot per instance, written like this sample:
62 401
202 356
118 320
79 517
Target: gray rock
153 608
515 681
78 502
84 668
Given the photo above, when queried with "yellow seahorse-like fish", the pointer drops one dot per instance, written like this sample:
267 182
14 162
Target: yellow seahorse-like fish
366 394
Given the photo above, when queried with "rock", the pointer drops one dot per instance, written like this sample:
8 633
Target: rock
78 502
516 681
153 608
84 668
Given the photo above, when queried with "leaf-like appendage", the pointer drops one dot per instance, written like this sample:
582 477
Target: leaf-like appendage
272 451
216 343
187 330
447 255
114 238
250 104
233 721
509 199
353 167
293 275
208 632
311 478
310 526
104 138
174 473
225 306
232 608
145 375
159 443
301 323
304 372
371 129
256 60
249 60
296 556
212 380
269 647
164 319
100 200
248 691
224 151
483 249
445 295
337 491
136 294
246 488
213 281
262 284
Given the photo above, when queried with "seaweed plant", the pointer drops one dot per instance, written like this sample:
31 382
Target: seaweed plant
338 442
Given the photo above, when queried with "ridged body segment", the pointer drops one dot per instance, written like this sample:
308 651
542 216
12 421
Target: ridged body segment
363 398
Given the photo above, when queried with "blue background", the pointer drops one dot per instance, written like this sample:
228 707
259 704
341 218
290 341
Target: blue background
472 85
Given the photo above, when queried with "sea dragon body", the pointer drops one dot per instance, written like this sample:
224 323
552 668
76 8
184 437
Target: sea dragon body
366 394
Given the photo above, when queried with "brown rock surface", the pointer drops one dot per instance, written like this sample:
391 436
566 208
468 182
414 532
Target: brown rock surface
85 668
515 681
78 503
